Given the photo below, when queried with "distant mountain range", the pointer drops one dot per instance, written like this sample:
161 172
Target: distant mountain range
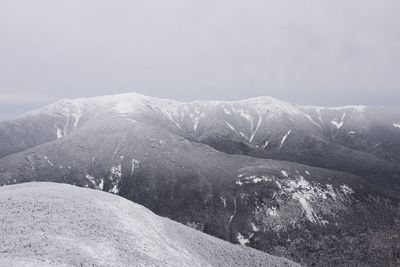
303 182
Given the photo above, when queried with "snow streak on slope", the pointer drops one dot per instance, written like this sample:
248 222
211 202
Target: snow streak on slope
284 138
340 123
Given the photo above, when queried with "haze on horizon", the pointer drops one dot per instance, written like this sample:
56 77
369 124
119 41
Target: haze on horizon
309 52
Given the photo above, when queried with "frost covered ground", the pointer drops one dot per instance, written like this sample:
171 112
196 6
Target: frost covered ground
48 224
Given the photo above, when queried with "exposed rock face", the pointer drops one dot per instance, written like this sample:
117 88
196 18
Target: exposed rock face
190 162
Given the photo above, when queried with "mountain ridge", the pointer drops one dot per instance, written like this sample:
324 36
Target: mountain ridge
132 95
262 122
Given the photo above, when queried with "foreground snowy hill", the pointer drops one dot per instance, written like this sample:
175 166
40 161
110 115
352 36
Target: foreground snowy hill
48 224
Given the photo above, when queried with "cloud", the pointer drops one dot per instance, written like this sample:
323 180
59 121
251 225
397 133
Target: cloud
21 98
312 52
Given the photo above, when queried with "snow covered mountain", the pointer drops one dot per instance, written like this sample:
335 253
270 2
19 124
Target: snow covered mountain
360 140
47 224
296 181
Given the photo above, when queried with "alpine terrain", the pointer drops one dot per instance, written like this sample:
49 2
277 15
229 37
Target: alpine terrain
47 224
317 185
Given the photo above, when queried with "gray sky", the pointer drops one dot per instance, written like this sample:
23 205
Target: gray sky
309 52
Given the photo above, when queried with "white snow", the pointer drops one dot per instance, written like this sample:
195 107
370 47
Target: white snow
59 133
234 212
230 126
320 116
233 129
265 145
340 123
91 179
252 179
337 124
342 108
270 105
257 179
254 227
315 201
244 114
114 190
172 111
101 185
48 161
196 117
116 170
120 142
258 126
223 201
242 241
196 123
284 173
124 107
303 195
135 165
77 116
248 117
331 191
279 185
273 212
311 119
306 193
122 104
346 189
299 183
227 112
284 138
306 206
355 108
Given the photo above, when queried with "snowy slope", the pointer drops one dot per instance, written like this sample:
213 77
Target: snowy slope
263 122
50 224
326 137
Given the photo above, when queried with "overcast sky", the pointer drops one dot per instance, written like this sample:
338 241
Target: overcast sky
309 52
